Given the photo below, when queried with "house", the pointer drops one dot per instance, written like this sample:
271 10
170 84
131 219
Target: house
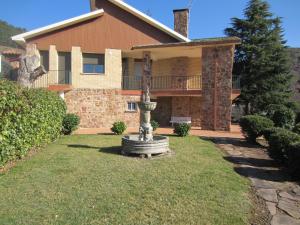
9 61
96 62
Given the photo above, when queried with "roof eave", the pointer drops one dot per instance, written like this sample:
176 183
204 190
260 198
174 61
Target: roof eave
205 42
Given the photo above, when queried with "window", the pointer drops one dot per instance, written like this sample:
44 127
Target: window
45 59
93 63
131 106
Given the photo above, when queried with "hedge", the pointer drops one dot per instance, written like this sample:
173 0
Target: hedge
253 126
29 118
281 115
293 159
279 141
70 123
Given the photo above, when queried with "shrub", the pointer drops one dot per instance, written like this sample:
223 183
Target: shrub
29 118
154 124
182 129
297 128
70 123
281 115
253 126
119 127
279 141
293 159
297 120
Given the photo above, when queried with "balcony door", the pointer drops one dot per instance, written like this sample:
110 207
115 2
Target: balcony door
64 68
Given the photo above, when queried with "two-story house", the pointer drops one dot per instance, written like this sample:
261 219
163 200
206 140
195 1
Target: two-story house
96 62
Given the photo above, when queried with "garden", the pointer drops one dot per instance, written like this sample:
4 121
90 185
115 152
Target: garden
83 179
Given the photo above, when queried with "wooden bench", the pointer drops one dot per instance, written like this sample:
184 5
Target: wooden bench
176 119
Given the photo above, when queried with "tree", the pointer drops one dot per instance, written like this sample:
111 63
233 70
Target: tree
30 69
261 60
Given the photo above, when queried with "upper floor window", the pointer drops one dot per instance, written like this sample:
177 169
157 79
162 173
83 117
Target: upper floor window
93 63
45 59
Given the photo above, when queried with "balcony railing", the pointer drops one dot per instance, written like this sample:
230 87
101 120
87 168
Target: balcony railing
53 77
164 83
236 82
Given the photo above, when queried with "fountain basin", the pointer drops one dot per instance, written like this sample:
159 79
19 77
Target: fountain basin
132 145
147 106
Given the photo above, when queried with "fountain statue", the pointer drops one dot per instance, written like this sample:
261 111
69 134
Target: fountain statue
145 144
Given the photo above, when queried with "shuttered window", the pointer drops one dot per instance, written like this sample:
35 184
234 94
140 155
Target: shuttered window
93 63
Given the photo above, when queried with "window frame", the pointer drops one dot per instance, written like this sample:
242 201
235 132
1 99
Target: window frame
130 107
101 58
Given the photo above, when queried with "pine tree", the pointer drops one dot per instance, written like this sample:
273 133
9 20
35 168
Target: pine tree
261 60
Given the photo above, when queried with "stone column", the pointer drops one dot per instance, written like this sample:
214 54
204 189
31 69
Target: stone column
146 71
217 87
76 66
53 65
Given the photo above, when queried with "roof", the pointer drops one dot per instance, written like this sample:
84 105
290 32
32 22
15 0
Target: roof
21 38
149 20
43 30
195 42
5 50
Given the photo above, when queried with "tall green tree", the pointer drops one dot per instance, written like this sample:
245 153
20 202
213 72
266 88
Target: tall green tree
261 60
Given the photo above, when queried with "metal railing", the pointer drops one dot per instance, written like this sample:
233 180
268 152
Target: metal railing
164 83
53 77
236 82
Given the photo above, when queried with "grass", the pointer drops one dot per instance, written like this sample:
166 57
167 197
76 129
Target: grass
83 180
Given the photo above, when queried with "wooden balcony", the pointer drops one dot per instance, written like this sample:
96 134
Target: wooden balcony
166 85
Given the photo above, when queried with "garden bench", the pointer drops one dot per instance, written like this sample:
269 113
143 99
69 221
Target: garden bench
176 119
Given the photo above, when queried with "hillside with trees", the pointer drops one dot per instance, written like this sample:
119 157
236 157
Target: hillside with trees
6 31
295 63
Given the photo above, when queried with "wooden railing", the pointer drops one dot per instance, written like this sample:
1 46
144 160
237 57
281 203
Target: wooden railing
164 83
53 77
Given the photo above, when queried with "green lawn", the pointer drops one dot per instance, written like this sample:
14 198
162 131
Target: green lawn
82 180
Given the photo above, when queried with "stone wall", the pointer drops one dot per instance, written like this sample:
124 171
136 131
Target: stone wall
183 106
217 87
163 112
99 108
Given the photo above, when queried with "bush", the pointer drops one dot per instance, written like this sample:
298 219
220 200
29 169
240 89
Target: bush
293 159
297 128
253 126
182 129
119 128
154 124
282 116
70 123
279 141
297 120
29 118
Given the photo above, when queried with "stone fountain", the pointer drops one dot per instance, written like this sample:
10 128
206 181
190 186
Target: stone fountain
145 143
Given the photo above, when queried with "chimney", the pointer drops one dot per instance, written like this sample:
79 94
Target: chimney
93 5
181 21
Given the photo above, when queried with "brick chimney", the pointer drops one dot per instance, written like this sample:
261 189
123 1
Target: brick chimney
181 21
93 5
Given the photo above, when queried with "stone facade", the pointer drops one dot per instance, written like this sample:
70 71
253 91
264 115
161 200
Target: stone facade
180 106
217 87
100 108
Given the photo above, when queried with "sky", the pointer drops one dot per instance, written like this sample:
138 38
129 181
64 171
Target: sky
208 18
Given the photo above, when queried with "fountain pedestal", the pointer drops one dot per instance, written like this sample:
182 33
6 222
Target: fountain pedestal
145 143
